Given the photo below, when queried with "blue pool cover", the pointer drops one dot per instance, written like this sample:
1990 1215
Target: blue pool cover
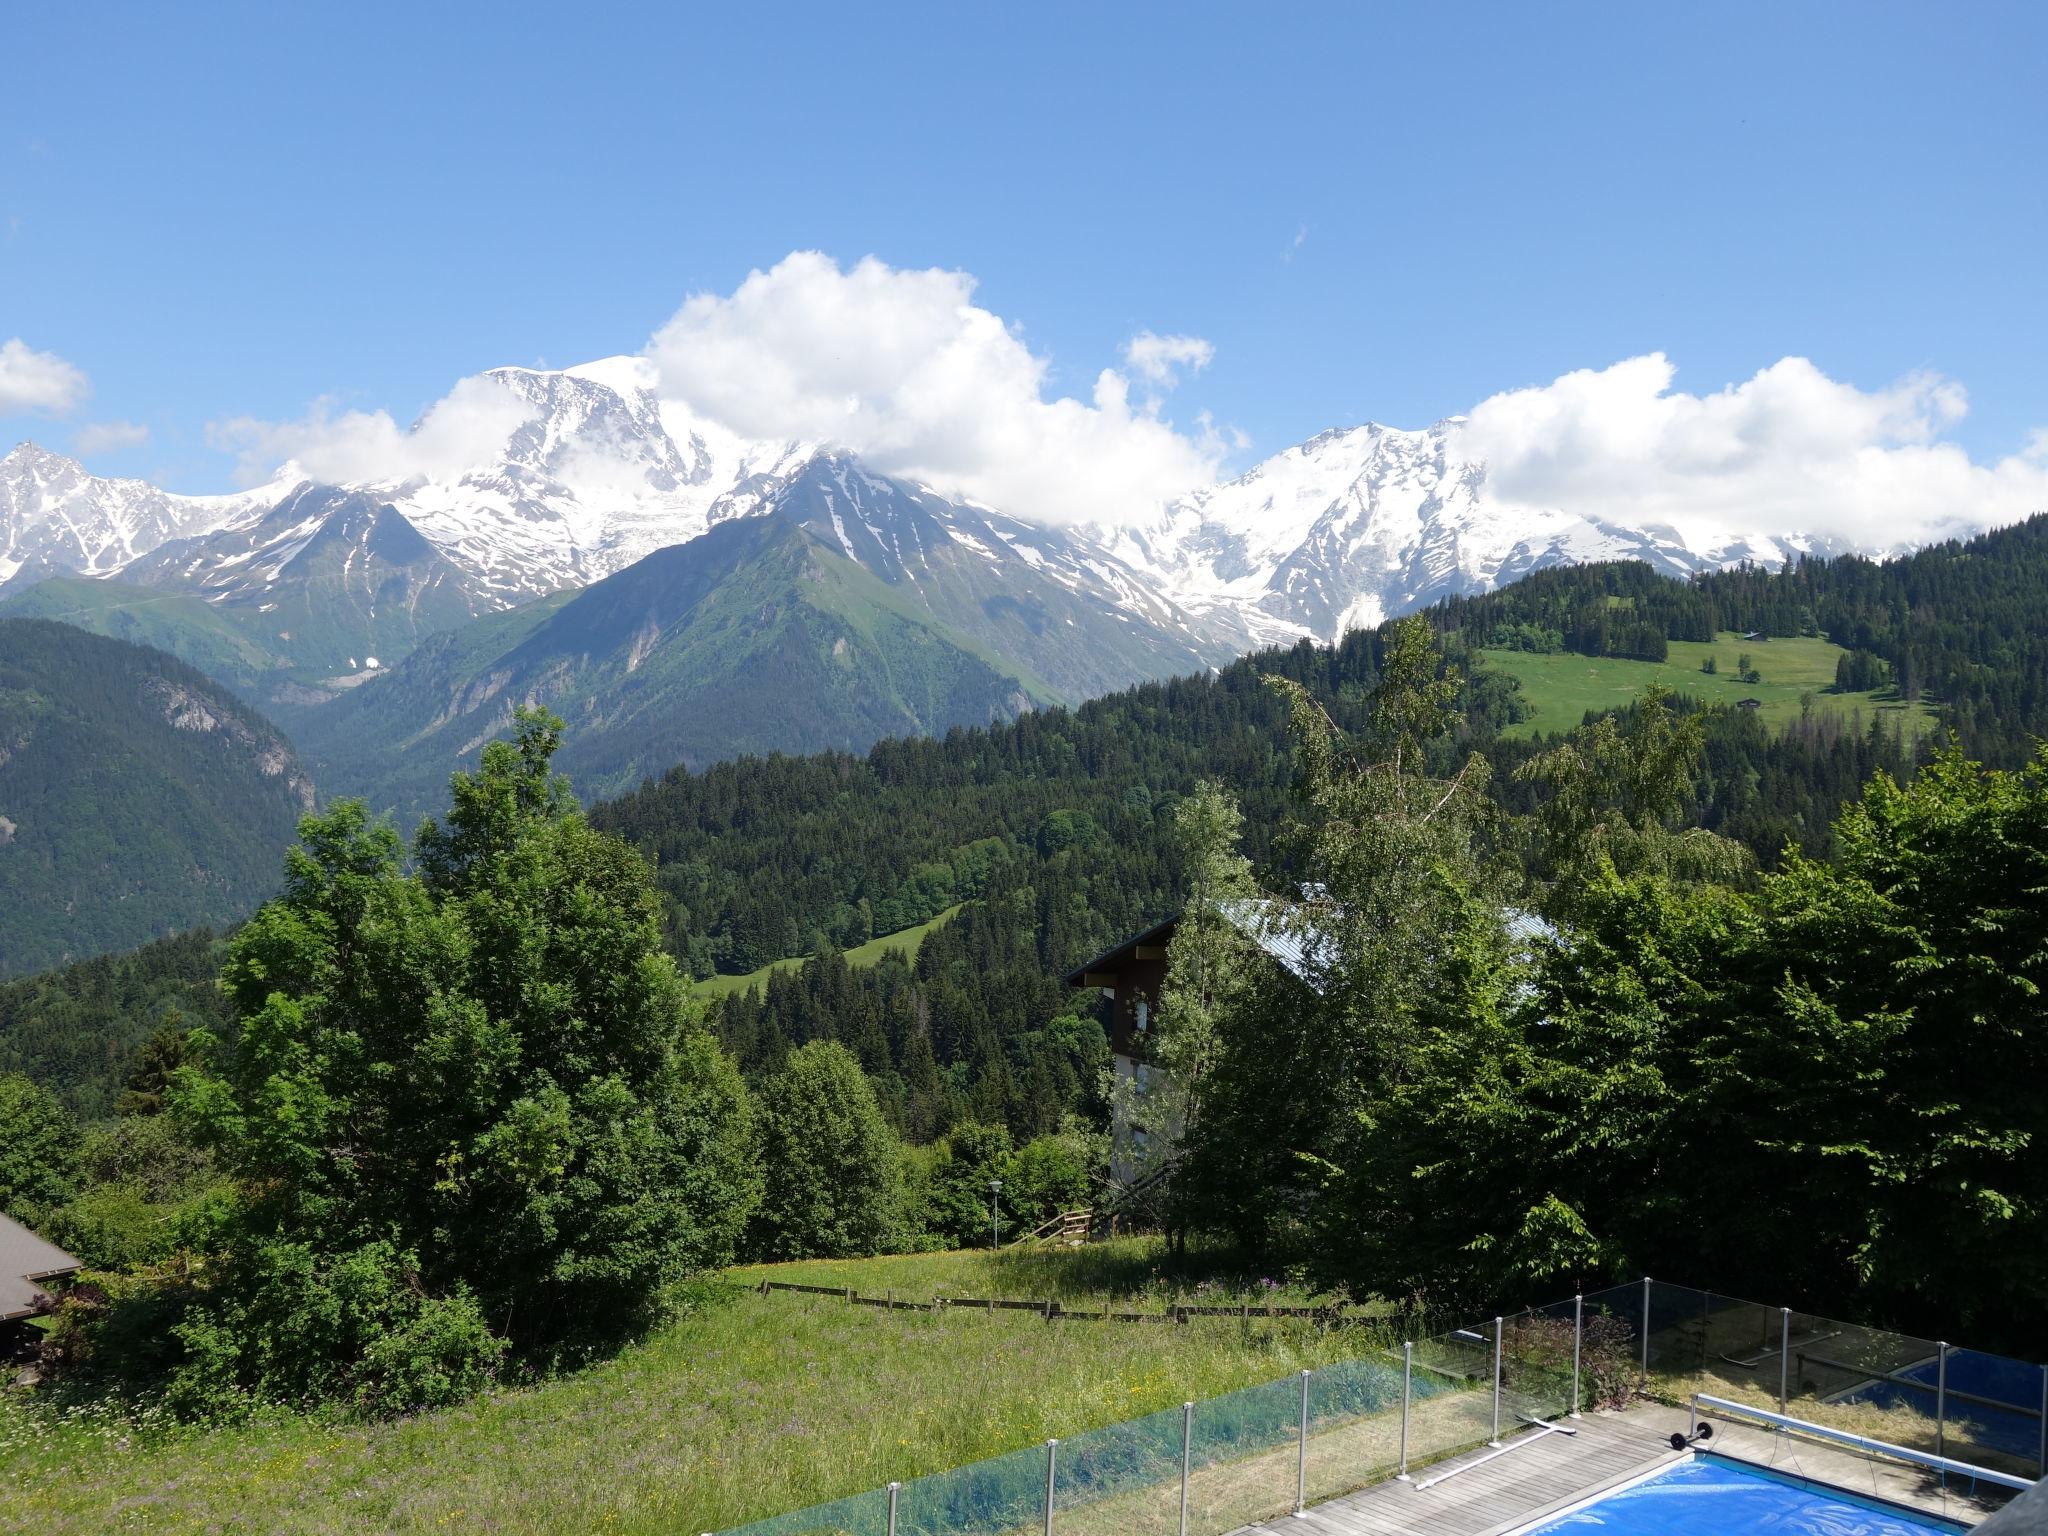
2015 1430
1710 1497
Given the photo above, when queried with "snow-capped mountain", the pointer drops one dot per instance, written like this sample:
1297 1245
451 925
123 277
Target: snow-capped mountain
593 472
56 517
1051 599
334 584
1367 523
557 479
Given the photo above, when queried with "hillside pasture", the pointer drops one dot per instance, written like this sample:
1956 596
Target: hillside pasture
748 1406
1797 674
906 943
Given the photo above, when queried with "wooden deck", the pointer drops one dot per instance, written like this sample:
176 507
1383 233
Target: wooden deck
1534 1479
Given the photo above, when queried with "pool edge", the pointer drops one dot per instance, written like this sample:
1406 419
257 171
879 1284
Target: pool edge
1922 1517
1577 1501
1870 1501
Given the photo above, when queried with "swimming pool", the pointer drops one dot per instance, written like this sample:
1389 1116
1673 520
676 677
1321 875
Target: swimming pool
1709 1496
1992 1400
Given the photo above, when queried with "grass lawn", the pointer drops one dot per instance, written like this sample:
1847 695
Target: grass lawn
870 953
751 1407
1561 687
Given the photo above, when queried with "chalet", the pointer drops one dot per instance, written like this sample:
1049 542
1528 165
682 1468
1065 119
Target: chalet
1132 974
27 1262
1749 703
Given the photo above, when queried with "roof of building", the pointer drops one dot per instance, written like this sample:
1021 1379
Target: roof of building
25 1259
1287 932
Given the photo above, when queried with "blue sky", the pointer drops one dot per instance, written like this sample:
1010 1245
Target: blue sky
1368 211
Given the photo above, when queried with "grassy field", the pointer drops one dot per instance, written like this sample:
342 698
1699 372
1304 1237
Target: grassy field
750 1407
1561 687
905 943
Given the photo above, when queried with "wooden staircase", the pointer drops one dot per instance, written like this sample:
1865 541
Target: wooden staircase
1069 1229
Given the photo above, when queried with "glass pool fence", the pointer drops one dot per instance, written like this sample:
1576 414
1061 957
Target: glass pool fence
1210 1467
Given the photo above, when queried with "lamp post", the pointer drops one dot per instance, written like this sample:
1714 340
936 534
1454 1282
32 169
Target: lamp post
995 1193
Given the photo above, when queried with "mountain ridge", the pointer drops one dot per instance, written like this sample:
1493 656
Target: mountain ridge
755 637
581 471
137 797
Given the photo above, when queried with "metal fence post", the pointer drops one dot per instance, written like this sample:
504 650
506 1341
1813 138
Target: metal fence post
1052 1455
1187 1440
1941 1399
1578 1341
1784 1355
2044 1421
1644 1386
1408 1382
893 1489
1301 1466
1496 1383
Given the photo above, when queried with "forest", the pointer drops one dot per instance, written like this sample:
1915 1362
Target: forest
1765 942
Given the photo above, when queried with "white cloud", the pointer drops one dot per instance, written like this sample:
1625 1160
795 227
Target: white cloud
465 428
38 381
1789 450
105 436
1159 359
903 368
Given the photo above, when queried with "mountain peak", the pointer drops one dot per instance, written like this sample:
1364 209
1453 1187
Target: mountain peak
28 451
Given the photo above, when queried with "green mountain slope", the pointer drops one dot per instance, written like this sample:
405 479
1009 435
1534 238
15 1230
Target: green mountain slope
330 585
218 642
137 798
754 638
1076 618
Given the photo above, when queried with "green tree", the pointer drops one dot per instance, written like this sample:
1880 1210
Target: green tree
476 1097
1393 852
1211 971
971 1156
1617 792
38 1148
1055 1172
828 1160
156 1063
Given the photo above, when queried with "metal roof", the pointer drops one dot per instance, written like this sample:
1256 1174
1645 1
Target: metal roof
25 1259
1283 931
1303 950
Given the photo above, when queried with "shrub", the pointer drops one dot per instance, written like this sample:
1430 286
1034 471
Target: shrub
298 1327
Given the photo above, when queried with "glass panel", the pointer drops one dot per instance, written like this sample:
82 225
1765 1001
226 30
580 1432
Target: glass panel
1992 1407
1354 1424
865 1514
1245 1456
1611 1354
1452 1410
1721 1345
1862 1380
1536 1369
988 1498
1121 1479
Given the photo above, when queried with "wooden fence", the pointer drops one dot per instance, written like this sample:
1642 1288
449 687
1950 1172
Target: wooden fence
1054 1312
